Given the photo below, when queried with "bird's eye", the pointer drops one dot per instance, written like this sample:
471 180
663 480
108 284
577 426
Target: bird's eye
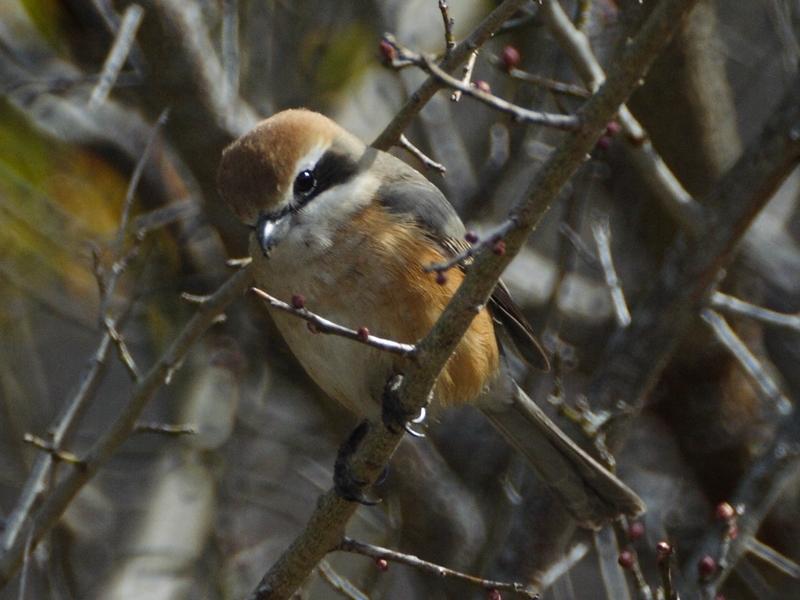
304 183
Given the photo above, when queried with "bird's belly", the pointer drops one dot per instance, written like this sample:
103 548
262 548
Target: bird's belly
340 291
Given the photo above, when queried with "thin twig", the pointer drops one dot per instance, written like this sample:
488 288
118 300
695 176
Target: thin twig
665 554
164 428
194 299
494 238
773 557
467 75
376 552
322 325
734 306
230 42
134 183
750 363
166 215
479 36
612 575
404 57
449 23
602 237
59 455
427 162
564 565
122 349
340 583
589 257
558 87
123 41
623 532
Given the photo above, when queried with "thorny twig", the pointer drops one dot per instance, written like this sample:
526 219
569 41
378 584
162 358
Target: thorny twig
321 325
376 552
126 211
404 57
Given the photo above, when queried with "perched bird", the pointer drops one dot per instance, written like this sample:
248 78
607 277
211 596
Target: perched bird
351 228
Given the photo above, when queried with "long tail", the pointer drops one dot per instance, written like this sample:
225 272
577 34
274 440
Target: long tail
590 492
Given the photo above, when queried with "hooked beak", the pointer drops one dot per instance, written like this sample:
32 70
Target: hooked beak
270 231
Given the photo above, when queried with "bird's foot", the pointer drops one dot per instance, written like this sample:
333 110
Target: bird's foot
394 415
345 484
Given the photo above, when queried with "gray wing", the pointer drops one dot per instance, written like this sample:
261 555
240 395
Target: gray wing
425 204
420 200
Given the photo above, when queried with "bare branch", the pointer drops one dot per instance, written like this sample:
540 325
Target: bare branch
164 428
563 566
735 306
460 53
376 552
449 23
12 551
339 583
59 455
750 363
230 42
494 239
427 162
404 56
558 87
322 325
123 41
602 237
467 70
605 541
773 557
661 180
589 257
122 348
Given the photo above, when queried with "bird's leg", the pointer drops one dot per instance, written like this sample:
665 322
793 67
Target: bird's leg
344 483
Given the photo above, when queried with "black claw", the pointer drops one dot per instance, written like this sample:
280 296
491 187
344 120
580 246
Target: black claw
394 416
343 482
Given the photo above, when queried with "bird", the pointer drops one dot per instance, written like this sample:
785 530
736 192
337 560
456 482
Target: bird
352 229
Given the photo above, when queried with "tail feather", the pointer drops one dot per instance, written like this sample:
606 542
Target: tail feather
590 492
